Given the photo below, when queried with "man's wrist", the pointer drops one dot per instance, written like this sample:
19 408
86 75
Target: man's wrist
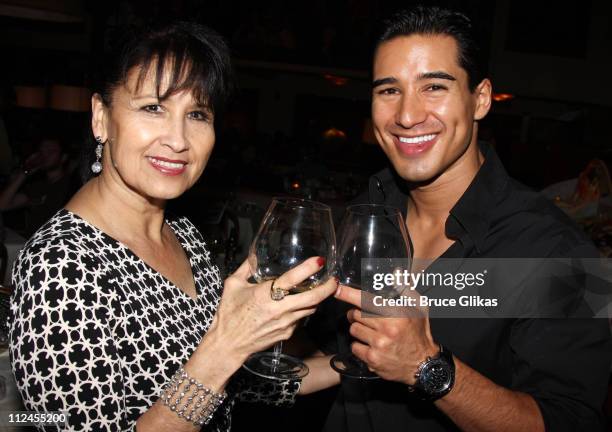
435 377
431 350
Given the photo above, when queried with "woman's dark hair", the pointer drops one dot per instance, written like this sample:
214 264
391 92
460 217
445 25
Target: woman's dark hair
196 57
433 20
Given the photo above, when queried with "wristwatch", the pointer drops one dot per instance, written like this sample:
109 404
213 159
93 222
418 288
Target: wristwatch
435 376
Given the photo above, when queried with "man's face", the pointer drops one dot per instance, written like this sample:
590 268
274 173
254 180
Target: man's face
51 154
422 109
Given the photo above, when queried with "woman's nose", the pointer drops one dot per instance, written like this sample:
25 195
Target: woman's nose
176 137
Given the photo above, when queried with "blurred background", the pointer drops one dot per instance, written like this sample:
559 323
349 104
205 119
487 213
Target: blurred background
299 123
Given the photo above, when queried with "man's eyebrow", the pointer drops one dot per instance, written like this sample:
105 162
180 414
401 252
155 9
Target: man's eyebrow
435 75
383 81
421 77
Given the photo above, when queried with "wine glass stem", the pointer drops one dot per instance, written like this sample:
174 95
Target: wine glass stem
278 349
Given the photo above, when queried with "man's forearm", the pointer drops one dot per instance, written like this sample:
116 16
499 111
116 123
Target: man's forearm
478 404
8 195
321 375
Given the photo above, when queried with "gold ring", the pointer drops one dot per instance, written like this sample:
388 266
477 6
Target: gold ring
276 294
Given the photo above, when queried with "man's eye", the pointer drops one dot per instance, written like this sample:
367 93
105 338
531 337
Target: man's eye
435 87
155 108
388 91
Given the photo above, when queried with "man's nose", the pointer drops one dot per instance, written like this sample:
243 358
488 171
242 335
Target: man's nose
410 111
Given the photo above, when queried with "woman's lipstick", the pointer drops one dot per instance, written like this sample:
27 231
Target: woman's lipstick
166 166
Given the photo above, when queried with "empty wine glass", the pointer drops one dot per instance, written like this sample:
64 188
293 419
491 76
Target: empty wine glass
371 237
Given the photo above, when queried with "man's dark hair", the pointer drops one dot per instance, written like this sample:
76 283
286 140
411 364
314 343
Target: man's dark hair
433 20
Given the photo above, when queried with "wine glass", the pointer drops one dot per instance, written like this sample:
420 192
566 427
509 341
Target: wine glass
371 238
292 231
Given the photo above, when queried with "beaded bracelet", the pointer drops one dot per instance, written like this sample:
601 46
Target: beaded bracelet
200 404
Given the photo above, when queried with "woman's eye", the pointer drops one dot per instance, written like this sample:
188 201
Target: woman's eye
155 108
199 115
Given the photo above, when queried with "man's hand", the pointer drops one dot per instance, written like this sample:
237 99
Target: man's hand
393 348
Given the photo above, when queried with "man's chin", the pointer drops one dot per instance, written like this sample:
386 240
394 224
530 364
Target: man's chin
416 176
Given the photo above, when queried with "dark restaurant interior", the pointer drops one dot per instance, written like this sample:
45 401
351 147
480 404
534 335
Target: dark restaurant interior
299 122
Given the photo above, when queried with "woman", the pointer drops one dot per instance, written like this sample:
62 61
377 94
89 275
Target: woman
118 311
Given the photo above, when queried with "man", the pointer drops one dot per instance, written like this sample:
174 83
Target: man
6 155
41 187
428 95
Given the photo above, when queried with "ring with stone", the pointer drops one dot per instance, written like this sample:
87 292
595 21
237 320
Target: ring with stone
276 293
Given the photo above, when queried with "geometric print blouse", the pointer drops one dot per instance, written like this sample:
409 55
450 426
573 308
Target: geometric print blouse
96 332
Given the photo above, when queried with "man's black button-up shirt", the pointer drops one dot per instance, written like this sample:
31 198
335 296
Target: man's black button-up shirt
563 363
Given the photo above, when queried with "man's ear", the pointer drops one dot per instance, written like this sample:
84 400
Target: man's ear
99 117
483 95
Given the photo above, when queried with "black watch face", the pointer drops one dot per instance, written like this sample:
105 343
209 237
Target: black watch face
436 377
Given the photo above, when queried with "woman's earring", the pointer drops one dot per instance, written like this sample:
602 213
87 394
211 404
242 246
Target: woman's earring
96 167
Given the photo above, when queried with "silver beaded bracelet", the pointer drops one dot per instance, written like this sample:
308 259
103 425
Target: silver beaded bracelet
200 403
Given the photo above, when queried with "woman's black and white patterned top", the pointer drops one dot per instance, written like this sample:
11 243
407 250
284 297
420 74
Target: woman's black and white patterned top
97 332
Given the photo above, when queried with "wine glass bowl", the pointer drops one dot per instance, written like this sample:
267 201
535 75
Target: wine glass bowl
371 237
291 231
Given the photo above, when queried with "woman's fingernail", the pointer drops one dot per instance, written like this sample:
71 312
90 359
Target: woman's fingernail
321 261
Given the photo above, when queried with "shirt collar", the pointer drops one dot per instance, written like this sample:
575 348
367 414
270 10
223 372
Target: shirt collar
473 211
471 215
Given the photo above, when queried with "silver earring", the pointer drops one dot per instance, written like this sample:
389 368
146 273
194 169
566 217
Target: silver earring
96 167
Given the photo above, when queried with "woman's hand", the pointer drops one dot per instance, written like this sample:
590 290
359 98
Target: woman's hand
248 320
251 321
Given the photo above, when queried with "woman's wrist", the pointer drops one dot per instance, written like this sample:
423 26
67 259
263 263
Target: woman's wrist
191 400
214 362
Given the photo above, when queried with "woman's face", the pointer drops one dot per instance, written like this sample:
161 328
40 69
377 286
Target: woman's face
157 149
